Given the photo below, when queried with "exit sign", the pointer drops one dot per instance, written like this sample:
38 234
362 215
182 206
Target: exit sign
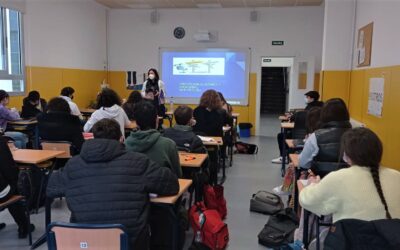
277 43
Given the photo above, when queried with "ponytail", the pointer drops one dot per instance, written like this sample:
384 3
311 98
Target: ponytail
375 176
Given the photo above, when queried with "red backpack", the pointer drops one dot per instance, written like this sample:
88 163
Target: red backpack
214 199
212 230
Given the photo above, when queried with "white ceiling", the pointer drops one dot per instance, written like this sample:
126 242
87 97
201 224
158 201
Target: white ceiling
159 4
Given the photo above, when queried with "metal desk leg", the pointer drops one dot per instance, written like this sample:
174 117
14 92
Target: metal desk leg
43 238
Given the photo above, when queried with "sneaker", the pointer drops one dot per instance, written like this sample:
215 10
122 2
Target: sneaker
23 233
277 160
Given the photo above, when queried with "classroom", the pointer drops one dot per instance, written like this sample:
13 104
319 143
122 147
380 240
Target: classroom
177 116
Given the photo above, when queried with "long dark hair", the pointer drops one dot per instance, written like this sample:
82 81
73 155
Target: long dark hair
364 148
134 97
313 119
157 76
108 98
334 110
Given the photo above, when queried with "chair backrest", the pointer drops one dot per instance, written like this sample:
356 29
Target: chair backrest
70 236
299 130
58 146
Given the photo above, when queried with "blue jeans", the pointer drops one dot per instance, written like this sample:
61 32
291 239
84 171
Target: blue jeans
20 139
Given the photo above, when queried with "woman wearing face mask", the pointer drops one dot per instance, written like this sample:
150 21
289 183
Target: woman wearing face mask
155 88
364 191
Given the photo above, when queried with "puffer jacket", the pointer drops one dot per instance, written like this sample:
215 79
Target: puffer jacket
107 184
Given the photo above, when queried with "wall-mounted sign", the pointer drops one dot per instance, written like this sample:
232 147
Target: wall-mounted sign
277 43
375 97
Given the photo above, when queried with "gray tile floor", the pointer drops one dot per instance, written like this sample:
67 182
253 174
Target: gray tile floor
248 174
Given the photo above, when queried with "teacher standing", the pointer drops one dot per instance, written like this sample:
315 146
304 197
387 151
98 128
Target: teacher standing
154 90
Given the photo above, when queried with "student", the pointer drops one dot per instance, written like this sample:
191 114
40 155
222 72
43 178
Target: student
129 105
108 184
323 146
33 105
209 115
109 106
311 99
225 105
57 124
155 87
67 94
150 142
313 120
8 188
363 191
182 133
20 139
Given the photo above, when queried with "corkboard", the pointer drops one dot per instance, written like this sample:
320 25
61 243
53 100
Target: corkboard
364 45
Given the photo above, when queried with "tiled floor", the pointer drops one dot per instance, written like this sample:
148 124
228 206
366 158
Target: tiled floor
248 174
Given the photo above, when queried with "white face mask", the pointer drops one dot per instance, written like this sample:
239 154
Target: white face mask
306 100
152 76
346 158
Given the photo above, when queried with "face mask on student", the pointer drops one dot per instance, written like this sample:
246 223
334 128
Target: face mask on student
152 76
306 100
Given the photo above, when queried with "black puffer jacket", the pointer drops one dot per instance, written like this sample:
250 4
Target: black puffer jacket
107 184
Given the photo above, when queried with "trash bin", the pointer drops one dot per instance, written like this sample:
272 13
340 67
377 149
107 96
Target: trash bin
244 129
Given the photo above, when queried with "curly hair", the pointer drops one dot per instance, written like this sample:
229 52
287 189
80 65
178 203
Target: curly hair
210 99
108 98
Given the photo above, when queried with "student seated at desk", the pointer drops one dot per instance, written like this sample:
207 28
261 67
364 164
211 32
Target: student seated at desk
209 115
148 140
363 191
321 151
108 184
109 106
67 94
33 105
6 115
182 132
57 124
129 105
8 188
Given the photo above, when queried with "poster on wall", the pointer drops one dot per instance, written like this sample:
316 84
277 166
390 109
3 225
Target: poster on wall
375 96
364 45
131 82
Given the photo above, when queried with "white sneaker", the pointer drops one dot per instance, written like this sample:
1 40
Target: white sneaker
277 160
278 190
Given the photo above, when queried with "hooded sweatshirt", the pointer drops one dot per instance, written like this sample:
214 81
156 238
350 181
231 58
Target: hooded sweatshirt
115 112
107 184
159 149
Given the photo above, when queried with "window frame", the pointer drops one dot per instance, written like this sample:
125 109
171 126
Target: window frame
4 74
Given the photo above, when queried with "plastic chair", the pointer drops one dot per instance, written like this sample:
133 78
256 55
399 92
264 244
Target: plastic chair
71 236
19 198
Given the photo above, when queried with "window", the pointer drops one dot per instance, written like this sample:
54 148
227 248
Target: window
12 68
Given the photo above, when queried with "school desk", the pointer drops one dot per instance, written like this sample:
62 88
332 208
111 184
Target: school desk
26 125
213 144
285 126
191 160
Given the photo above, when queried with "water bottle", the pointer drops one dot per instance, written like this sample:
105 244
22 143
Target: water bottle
171 104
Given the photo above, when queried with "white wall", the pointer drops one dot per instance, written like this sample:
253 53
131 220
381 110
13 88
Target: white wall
338 32
386 35
65 34
134 40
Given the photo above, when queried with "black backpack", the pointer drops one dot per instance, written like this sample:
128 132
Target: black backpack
364 235
246 148
279 230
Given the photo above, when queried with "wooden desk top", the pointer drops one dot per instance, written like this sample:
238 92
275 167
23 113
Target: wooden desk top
294 158
287 125
132 125
283 118
217 141
169 112
235 115
290 143
34 156
23 122
87 111
184 184
191 160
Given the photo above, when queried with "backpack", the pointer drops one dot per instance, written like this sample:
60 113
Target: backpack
266 203
279 230
359 235
207 224
214 199
246 148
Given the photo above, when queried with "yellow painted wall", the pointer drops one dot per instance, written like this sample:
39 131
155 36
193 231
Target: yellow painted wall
316 81
50 81
335 84
117 79
386 126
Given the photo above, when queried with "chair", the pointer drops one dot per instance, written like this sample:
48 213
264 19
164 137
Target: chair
58 146
21 199
71 236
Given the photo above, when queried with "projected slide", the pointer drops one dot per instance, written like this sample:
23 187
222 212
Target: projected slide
199 66
188 74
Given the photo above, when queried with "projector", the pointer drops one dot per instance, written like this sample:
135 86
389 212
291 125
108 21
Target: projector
202 36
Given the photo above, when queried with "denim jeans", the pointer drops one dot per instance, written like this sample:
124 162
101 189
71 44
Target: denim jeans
20 139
